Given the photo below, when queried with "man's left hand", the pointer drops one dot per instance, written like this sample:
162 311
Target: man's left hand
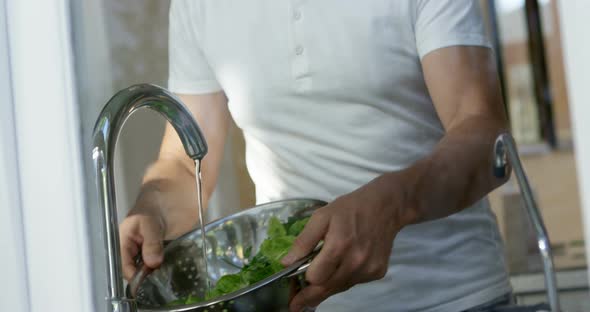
358 230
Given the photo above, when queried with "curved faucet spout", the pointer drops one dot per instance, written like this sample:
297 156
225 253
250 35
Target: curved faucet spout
106 131
129 100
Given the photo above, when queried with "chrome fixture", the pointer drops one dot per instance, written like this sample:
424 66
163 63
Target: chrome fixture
505 154
106 131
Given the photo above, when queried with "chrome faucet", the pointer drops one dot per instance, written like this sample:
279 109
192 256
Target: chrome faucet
505 154
106 131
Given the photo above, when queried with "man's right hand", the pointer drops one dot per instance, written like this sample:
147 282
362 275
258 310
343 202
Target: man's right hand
165 209
143 232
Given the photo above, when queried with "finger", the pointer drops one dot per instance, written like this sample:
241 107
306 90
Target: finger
342 279
325 263
309 297
129 250
130 243
313 295
312 233
152 248
352 261
294 288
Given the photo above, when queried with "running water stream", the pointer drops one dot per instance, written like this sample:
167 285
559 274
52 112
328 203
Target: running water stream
202 224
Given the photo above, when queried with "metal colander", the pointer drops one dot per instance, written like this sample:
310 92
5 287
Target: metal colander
228 241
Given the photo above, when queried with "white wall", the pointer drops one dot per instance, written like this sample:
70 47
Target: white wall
575 23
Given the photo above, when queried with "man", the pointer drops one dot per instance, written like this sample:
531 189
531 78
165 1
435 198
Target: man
388 109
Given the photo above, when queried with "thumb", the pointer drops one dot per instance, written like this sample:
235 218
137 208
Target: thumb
152 232
312 233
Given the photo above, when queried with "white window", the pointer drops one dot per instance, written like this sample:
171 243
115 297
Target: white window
45 263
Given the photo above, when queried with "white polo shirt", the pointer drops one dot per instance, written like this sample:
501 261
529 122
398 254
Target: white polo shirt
330 94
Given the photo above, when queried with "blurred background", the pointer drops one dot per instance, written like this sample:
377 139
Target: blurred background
114 44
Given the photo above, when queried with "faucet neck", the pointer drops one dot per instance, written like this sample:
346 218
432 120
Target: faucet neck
106 131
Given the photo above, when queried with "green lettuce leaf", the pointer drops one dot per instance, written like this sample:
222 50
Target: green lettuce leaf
276 248
297 227
275 228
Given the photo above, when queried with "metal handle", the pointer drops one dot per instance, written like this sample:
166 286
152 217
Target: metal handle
141 271
140 274
301 269
304 263
505 153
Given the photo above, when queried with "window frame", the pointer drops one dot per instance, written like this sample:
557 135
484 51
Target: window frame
49 228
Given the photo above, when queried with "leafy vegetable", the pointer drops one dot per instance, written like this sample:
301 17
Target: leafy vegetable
248 251
259 269
192 299
277 247
266 262
227 284
275 228
178 301
297 227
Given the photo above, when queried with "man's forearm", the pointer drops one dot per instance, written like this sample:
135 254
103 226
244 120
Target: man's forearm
168 192
167 176
457 173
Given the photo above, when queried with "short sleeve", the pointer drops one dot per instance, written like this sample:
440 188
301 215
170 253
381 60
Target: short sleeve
445 23
189 71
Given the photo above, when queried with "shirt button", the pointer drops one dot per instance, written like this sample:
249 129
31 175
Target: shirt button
297 15
299 50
